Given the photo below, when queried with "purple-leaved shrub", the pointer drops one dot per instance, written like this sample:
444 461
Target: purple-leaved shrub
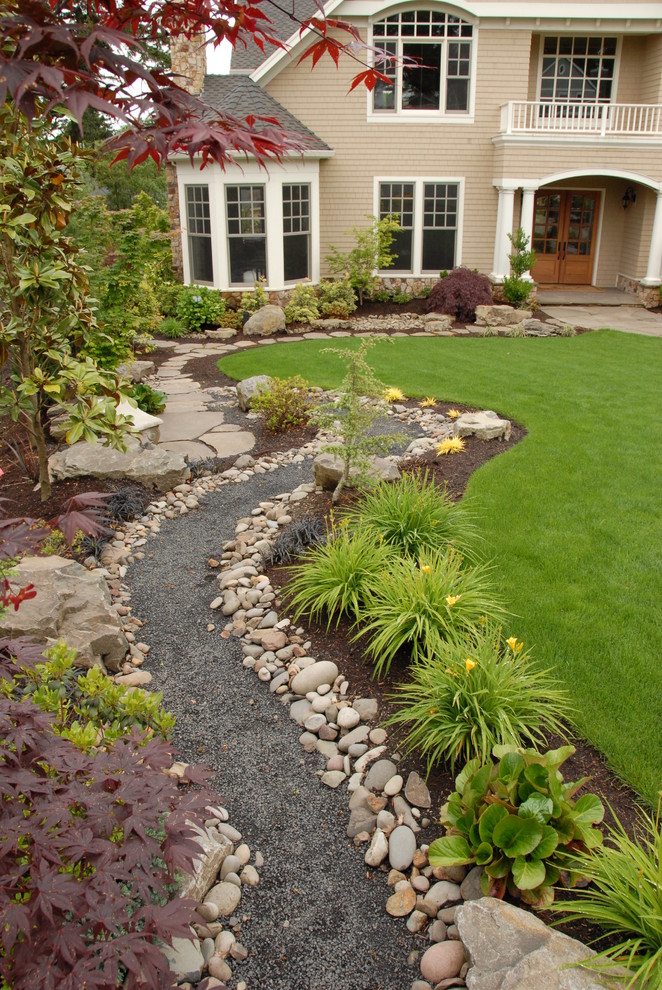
458 294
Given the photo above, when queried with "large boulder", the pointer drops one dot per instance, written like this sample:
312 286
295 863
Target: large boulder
247 389
485 425
500 316
328 469
511 949
72 604
153 467
136 371
214 848
145 424
265 322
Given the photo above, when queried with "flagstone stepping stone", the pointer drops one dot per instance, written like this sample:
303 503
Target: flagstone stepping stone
183 425
191 449
179 386
228 444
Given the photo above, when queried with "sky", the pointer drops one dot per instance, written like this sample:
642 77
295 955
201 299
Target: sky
218 60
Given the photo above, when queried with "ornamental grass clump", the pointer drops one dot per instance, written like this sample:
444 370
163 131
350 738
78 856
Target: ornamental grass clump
625 899
333 580
476 694
413 515
419 606
518 820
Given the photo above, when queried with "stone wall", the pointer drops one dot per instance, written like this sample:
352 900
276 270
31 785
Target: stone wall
175 222
188 60
648 294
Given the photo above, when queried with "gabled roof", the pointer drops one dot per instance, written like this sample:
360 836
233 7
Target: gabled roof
285 21
240 96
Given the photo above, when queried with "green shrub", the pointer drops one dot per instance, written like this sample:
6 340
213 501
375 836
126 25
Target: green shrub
284 403
625 899
370 254
336 299
88 708
231 319
473 695
334 579
167 297
172 328
302 307
382 296
516 289
402 298
413 515
418 606
425 291
252 301
517 819
200 306
150 400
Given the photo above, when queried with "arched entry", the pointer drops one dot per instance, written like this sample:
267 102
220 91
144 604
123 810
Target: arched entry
565 228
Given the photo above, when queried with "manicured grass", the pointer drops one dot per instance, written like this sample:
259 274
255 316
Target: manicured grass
572 515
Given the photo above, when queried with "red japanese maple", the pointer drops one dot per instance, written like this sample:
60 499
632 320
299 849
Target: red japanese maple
71 55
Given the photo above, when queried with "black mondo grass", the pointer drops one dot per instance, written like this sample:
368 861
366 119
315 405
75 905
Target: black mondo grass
294 541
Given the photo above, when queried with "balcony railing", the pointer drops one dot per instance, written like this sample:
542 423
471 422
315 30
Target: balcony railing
592 119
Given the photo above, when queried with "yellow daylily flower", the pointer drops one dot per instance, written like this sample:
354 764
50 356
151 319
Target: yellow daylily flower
514 645
452 599
469 664
426 568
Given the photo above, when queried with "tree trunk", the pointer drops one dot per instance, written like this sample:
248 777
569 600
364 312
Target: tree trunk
37 433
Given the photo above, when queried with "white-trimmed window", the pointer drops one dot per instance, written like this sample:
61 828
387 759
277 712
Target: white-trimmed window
578 69
433 67
429 213
247 233
198 225
296 232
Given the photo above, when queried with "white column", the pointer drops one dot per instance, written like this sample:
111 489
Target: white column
654 270
504 226
526 220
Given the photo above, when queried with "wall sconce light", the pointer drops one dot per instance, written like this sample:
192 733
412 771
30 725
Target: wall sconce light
629 197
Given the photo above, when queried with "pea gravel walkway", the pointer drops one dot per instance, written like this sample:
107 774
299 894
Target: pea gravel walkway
316 921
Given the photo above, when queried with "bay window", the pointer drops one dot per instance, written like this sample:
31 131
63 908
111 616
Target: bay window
247 234
296 232
198 225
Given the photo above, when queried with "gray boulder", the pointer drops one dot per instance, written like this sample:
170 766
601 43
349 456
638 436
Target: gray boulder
484 425
185 958
136 371
328 469
265 322
511 949
500 316
153 467
438 322
72 604
214 848
247 388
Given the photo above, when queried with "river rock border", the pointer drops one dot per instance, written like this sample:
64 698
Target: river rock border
386 812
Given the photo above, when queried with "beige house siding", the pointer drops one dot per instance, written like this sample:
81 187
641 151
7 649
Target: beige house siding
629 87
651 70
365 150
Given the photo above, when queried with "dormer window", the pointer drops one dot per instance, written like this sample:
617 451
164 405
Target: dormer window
432 67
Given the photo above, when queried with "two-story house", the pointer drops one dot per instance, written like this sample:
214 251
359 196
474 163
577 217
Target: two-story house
496 114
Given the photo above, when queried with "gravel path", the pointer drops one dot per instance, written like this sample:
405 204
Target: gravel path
316 922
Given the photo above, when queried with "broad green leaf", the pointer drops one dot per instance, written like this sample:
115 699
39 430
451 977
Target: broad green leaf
528 874
75 433
565 829
499 867
538 776
552 875
511 767
557 757
537 806
490 817
23 219
450 850
589 810
540 898
477 786
468 771
484 854
547 844
474 835
517 836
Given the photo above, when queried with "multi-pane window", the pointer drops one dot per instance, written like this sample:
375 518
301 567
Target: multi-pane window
578 69
440 201
428 216
198 224
296 232
397 198
433 62
247 234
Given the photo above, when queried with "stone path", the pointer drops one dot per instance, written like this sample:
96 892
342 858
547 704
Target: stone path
628 319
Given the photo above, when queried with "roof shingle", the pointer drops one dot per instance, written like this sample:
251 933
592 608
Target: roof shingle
285 21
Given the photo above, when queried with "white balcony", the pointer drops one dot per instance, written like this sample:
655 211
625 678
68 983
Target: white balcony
595 120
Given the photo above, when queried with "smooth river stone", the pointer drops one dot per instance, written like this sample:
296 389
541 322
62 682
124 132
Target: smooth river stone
402 903
348 718
442 961
225 896
401 848
310 678
379 774
393 786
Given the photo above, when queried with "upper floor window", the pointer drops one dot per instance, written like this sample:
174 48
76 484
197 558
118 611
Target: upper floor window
578 70
432 67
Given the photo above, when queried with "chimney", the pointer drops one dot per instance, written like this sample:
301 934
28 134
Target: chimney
188 59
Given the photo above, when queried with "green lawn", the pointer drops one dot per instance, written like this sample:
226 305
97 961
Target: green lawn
572 515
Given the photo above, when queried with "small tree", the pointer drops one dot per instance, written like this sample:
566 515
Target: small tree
516 289
44 315
371 254
353 415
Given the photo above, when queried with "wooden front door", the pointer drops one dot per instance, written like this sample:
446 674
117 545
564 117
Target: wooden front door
564 236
